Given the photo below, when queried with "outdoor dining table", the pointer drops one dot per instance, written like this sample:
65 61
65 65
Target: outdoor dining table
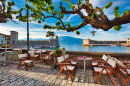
40 52
84 59
6 55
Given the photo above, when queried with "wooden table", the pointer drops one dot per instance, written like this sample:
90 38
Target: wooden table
84 59
40 53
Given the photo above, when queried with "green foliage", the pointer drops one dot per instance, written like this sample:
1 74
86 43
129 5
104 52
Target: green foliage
117 28
93 15
61 15
77 32
2 0
9 8
39 21
71 6
50 34
68 23
58 51
116 12
68 1
109 5
126 12
58 23
80 1
27 6
46 26
12 3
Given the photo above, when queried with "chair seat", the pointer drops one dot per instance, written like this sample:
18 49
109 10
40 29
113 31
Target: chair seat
69 67
36 55
99 69
46 57
73 62
11 53
94 63
28 61
128 70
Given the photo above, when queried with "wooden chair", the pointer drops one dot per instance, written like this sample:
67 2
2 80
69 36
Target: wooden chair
125 70
71 61
100 61
32 55
23 58
48 58
105 69
65 66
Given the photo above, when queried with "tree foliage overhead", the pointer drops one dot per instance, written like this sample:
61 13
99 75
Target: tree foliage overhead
5 15
50 34
98 21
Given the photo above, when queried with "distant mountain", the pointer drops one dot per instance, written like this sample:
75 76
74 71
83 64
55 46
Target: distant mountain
62 39
69 39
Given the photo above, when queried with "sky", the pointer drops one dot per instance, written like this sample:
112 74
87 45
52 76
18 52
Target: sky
37 31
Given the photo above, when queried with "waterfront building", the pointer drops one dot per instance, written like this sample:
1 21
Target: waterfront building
9 39
14 37
128 40
2 38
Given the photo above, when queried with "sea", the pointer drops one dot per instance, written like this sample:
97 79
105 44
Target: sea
73 44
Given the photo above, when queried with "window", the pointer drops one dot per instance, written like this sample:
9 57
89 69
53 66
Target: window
3 36
13 33
12 37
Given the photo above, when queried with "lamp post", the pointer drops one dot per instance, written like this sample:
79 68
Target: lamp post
27 13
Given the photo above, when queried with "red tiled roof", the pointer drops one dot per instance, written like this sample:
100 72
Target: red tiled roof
7 35
2 34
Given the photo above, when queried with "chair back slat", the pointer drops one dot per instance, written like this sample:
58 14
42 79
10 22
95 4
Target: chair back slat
120 63
51 53
22 55
66 56
105 58
31 53
60 59
112 62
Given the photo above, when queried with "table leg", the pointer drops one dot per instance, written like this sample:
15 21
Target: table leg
84 66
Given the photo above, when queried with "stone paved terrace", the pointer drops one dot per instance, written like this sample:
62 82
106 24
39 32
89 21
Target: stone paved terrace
43 75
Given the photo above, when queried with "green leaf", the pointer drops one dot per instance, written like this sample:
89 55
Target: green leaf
117 28
109 5
39 21
61 15
116 12
12 3
68 23
9 8
126 12
77 32
58 23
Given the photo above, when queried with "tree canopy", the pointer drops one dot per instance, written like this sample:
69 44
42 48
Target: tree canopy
50 34
97 20
5 15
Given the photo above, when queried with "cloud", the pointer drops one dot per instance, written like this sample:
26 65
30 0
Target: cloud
69 18
123 33
84 12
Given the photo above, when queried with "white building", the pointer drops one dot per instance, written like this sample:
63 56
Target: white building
14 37
128 40
2 38
10 39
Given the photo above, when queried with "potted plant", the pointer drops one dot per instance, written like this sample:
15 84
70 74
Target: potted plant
58 52
8 46
63 48
3 46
